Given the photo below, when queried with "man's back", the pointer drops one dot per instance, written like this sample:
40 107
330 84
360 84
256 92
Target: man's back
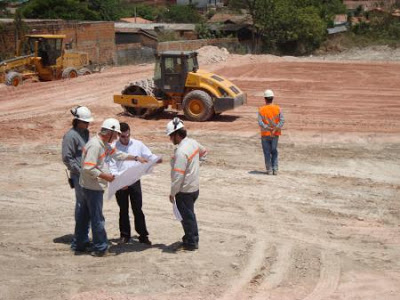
185 165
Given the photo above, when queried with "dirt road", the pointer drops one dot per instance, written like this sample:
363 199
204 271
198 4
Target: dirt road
328 227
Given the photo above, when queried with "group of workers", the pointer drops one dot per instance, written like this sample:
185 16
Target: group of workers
94 162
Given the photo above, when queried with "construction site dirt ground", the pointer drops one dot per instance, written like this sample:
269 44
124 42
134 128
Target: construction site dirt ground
328 227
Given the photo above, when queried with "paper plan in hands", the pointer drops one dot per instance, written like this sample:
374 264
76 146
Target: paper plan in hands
177 214
130 176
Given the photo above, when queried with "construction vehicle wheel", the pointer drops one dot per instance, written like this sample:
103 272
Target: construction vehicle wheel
14 79
84 72
69 73
142 87
135 111
198 106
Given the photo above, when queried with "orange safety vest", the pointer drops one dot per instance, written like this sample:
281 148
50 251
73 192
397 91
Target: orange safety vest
270 116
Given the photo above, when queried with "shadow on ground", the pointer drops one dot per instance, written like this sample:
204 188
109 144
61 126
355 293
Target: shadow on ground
65 239
255 172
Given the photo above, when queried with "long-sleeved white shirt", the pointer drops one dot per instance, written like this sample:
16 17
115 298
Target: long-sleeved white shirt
134 148
185 166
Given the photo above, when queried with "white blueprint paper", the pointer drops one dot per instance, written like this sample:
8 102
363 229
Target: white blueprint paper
177 214
130 176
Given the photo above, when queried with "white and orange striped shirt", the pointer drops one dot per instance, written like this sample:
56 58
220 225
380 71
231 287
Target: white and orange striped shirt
185 166
93 163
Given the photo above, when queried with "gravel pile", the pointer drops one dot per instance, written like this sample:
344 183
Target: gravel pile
212 54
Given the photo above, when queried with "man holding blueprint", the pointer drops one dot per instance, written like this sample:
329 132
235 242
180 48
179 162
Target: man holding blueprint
185 180
132 192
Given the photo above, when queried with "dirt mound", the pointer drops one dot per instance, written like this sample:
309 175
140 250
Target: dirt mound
212 54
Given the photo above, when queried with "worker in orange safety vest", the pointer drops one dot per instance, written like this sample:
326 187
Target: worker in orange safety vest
270 120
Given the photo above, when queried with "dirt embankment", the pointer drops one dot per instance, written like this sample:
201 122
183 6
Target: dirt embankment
327 227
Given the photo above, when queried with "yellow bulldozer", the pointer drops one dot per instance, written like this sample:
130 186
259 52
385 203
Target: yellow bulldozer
179 84
45 59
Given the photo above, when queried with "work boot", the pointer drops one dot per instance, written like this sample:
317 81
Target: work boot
100 253
87 248
269 172
275 172
123 240
144 240
186 247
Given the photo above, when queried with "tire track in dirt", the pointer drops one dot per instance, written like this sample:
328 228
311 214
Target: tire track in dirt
273 277
329 277
266 271
269 260
257 258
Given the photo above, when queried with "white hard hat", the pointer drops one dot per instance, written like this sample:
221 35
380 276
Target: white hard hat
174 125
82 113
111 124
268 94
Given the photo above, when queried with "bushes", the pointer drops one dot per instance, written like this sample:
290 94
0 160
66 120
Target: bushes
379 28
181 14
292 27
59 9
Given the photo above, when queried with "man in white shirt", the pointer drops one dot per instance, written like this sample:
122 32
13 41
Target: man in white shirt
185 180
94 178
133 192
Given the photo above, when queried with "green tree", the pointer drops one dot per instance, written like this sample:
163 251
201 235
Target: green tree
108 10
291 26
142 10
59 9
145 11
181 14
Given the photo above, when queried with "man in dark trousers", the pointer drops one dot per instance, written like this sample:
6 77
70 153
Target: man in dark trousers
133 192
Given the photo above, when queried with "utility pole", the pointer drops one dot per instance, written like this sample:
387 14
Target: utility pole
135 14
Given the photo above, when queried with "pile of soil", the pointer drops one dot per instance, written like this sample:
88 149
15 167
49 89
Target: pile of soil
212 54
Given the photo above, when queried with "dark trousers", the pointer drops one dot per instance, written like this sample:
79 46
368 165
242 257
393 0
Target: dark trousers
185 203
134 193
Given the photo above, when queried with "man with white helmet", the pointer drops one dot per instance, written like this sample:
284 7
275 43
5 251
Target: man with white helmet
270 120
94 178
185 180
73 142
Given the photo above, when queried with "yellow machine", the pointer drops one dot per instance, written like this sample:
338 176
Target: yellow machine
46 60
179 84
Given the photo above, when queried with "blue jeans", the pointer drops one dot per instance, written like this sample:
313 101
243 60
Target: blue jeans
270 149
185 203
92 211
78 208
